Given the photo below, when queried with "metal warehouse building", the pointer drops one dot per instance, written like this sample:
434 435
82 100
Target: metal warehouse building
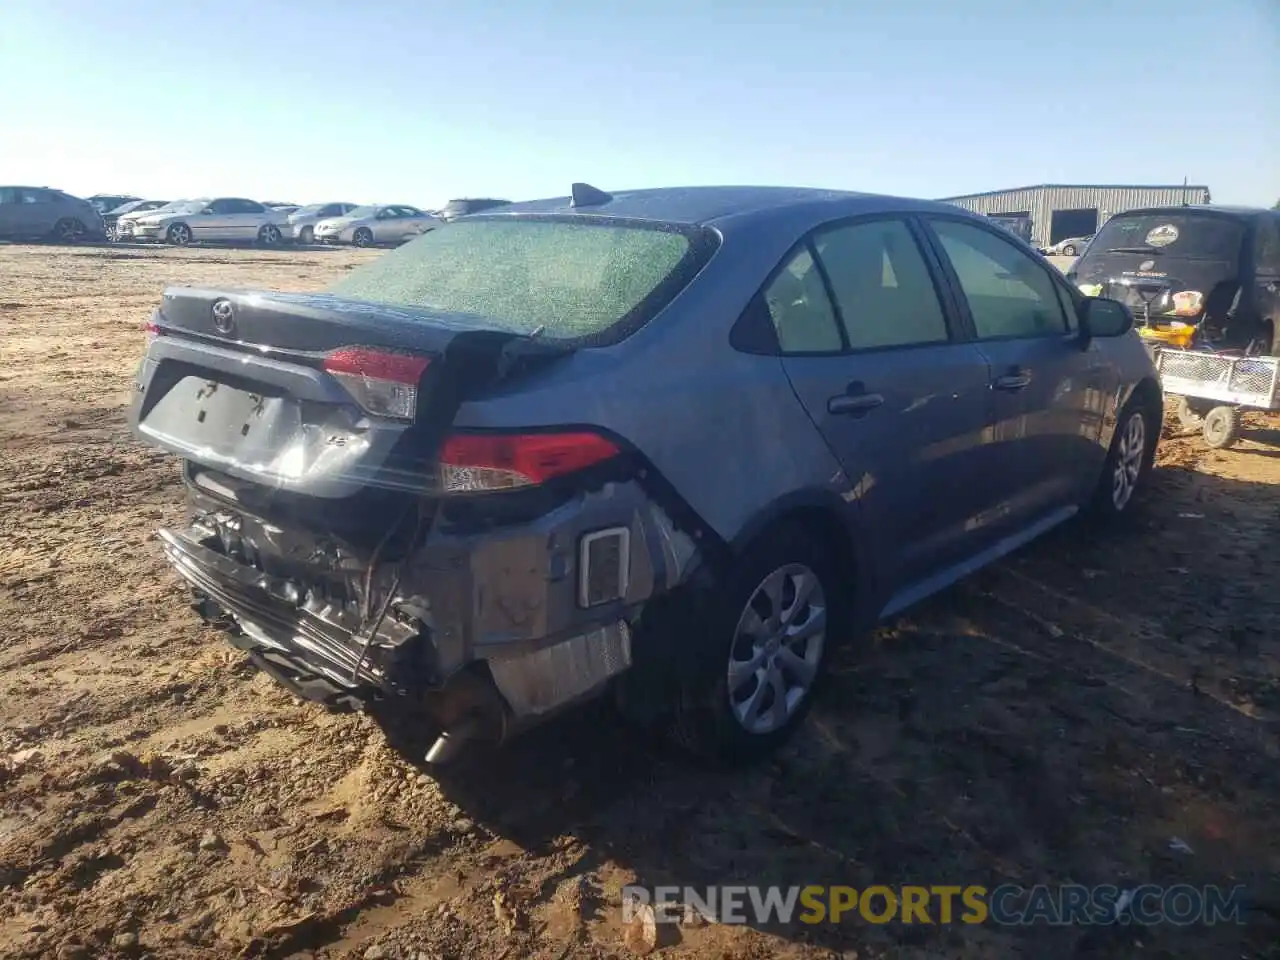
1058 211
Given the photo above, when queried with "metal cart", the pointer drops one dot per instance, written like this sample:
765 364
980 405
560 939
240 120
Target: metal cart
1213 387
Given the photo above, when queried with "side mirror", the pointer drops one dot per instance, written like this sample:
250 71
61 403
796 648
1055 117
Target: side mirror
1104 318
206 212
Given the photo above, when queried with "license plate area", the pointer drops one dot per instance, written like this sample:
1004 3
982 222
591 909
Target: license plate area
226 421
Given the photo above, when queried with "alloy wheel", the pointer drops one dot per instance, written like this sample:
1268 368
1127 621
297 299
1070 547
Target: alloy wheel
70 230
777 649
180 234
1130 454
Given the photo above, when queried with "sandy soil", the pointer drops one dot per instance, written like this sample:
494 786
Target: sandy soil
1059 718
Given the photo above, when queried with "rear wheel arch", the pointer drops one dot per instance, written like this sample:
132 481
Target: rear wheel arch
824 517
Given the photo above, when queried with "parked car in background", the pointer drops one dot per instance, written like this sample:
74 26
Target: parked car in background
301 226
112 217
1191 273
42 213
285 208
467 205
487 475
220 220
274 204
124 225
376 224
106 202
1070 247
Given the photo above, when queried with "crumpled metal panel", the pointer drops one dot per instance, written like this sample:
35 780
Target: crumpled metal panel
554 676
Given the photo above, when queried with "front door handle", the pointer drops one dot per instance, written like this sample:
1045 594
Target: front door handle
856 404
1011 382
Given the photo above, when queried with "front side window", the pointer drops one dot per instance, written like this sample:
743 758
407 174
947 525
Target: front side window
881 285
800 308
572 278
1009 294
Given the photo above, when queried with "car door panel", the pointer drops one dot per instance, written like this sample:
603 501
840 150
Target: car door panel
901 402
1048 387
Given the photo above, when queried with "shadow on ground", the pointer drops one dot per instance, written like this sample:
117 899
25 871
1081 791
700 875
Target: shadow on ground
1064 717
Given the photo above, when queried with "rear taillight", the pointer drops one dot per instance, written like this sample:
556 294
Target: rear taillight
381 382
480 462
152 330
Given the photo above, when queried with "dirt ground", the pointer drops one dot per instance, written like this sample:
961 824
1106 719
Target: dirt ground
1059 718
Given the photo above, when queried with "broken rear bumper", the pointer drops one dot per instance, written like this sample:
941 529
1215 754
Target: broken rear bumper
508 606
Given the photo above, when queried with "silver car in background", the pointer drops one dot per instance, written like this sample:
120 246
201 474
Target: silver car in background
301 227
126 222
376 224
42 213
223 220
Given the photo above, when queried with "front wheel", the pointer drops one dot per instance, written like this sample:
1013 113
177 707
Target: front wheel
307 236
1128 461
179 234
269 235
749 674
1069 250
363 237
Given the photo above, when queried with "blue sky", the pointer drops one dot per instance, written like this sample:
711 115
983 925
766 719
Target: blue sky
418 101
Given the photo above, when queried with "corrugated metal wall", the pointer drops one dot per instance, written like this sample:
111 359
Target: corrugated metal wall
1040 202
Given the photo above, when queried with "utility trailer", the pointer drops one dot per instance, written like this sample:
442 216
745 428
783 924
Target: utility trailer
1214 387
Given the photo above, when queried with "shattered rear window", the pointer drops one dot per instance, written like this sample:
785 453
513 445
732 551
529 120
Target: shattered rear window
575 278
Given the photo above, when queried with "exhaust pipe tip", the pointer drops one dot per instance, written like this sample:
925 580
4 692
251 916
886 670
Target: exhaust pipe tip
451 742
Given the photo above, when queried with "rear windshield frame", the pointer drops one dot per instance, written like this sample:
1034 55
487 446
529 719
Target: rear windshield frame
703 243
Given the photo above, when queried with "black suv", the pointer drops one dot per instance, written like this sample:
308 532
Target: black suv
1191 274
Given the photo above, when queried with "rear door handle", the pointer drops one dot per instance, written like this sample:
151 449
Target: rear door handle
854 404
1011 382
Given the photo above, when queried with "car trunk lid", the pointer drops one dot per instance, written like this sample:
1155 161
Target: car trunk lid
276 389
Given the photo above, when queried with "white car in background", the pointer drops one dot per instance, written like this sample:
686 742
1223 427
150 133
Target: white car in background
302 222
126 222
1068 247
221 220
392 223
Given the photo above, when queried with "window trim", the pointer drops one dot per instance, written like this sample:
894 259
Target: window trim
747 329
962 301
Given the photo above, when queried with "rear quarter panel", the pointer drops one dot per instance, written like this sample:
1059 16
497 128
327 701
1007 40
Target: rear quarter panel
723 427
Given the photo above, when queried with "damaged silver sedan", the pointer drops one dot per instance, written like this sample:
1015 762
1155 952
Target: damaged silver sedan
667 444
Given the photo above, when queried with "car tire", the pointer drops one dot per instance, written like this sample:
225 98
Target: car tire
178 234
1221 427
363 237
785 576
1129 460
1069 250
307 236
68 230
269 235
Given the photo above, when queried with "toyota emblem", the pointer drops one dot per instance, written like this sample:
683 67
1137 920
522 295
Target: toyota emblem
1146 265
224 316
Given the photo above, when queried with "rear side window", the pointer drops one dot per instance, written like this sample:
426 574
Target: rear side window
573 277
881 285
1009 293
800 309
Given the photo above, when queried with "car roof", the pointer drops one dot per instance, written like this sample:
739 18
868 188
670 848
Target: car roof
1224 210
716 205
